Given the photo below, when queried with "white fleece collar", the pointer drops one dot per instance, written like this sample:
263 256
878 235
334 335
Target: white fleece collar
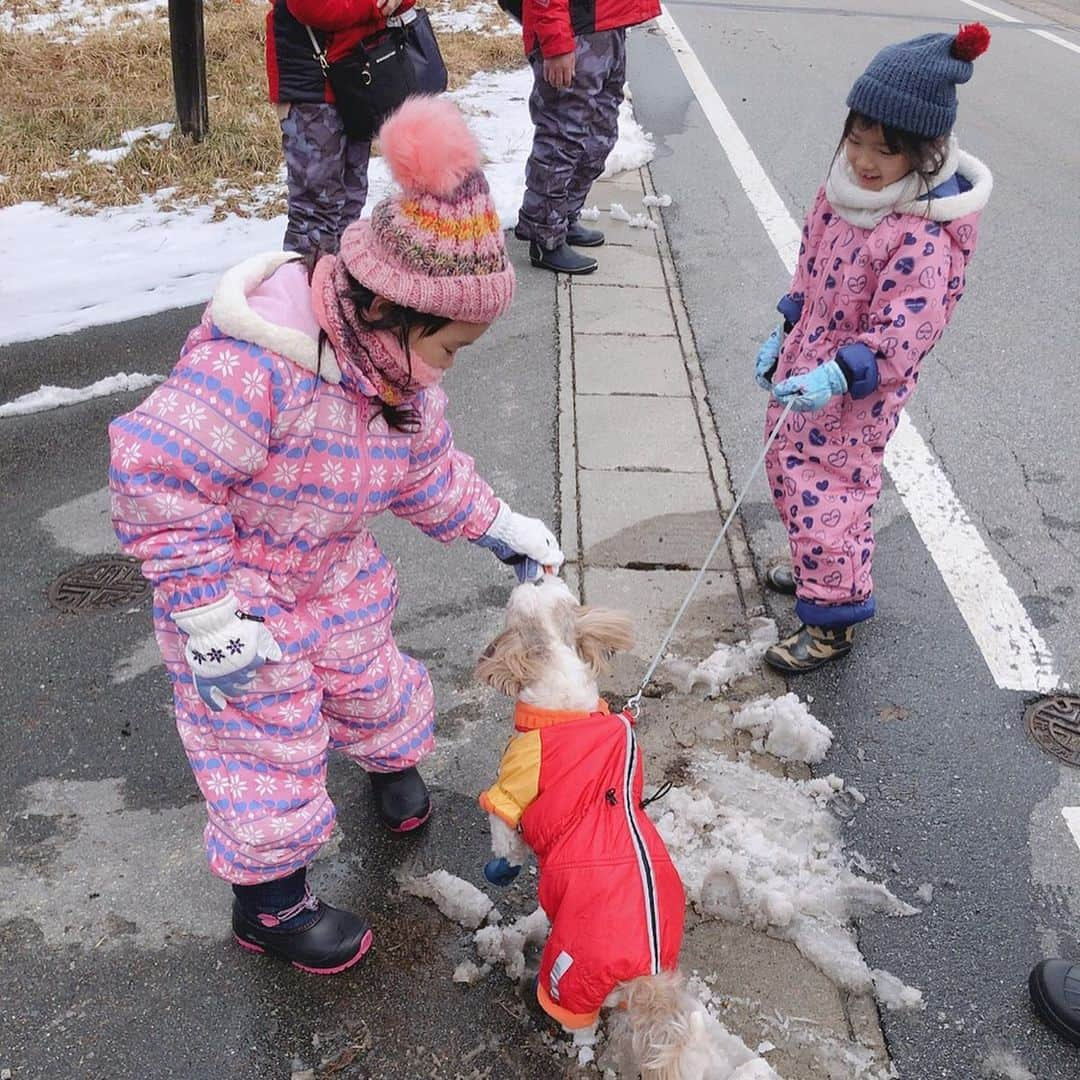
863 208
234 316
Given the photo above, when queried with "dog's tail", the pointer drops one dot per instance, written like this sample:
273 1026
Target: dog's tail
667 1027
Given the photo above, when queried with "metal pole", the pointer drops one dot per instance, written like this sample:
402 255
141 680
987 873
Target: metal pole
189 66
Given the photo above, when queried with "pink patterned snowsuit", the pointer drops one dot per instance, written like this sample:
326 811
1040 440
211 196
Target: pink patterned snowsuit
247 471
880 297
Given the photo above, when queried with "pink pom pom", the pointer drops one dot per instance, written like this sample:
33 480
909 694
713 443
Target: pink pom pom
428 146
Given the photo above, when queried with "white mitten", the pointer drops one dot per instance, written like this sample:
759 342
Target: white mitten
225 647
525 535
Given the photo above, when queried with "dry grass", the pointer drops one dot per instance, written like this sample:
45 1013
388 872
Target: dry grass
62 99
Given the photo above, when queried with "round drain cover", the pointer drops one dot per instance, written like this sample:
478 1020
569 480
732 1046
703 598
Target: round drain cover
105 582
1054 723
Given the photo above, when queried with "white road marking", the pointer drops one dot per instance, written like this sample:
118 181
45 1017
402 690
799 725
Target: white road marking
986 9
1071 814
1014 650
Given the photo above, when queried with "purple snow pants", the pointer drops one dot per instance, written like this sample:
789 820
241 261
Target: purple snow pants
575 131
327 177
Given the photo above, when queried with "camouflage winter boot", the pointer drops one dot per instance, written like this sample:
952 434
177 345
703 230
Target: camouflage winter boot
810 647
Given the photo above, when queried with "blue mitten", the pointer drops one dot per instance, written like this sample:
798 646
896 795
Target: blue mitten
814 390
767 358
501 871
526 569
225 647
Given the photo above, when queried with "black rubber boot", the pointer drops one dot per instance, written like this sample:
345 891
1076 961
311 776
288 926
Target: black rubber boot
577 235
310 935
1055 993
809 648
563 259
401 798
780 579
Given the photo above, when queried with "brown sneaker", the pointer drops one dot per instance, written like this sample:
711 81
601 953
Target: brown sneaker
809 648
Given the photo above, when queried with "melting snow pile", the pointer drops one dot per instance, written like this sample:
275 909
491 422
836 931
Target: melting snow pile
766 852
456 898
728 662
785 728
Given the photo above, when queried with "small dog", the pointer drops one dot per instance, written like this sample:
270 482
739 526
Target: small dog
570 788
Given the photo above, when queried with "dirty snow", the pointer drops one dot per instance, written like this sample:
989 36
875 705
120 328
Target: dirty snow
156 132
456 898
785 728
54 397
506 945
894 994
481 16
925 893
727 663
1005 1064
468 973
656 200
758 850
70 20
148 259
635 146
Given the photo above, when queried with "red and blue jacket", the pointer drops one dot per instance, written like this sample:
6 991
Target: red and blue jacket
573 783
553 25
293 73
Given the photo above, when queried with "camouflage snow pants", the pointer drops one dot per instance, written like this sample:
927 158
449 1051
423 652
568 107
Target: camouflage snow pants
575 131
327 177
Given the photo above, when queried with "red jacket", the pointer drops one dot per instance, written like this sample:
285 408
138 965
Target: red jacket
607 883
292 71
555 24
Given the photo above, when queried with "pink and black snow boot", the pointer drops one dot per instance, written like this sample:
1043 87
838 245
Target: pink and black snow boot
285 919
401 799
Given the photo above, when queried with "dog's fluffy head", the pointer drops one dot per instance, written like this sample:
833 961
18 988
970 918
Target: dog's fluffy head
552 648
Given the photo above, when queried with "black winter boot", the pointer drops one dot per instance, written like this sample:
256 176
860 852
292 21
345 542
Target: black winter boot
563 259
401 799
309 934
1055 993
809 648
780 579
577 235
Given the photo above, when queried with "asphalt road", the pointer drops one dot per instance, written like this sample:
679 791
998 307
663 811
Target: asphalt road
117 958
958 797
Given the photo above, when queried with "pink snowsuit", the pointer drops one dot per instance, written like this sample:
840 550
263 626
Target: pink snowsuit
248 471
878 298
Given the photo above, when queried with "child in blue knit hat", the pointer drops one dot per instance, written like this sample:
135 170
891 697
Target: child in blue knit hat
881 268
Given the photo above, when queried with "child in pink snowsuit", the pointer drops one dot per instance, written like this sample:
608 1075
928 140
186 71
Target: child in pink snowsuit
305 403
881 269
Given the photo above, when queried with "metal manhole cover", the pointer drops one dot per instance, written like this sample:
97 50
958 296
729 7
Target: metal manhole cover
1054 723
105 582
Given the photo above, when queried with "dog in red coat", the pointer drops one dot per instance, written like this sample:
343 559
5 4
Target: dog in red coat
570 789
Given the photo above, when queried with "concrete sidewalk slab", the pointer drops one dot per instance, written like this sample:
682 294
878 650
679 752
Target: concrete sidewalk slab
620 431
648 519
624 265
616 309
629 365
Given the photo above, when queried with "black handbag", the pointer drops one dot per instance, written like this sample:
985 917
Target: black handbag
383 70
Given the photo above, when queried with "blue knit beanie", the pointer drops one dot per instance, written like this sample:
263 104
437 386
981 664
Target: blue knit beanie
912 85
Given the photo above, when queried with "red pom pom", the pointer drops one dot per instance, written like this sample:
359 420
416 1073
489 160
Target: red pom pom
972 40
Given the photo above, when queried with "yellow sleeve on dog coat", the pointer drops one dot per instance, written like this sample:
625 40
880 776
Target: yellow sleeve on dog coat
519 779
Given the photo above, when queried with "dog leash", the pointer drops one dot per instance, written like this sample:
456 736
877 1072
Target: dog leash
634 704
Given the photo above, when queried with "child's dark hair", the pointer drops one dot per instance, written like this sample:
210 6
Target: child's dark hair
925 155
401 321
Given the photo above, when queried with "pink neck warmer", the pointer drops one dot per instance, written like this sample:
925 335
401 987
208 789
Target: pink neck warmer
378 355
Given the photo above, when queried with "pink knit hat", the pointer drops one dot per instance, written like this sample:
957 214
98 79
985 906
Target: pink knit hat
437 245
